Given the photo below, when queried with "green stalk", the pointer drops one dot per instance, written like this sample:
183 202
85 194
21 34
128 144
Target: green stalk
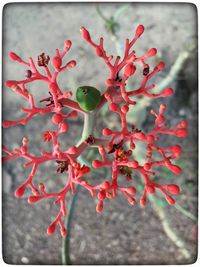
186 212
99 12
68 222
88 128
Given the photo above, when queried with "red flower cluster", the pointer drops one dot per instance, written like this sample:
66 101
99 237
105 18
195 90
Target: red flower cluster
115 147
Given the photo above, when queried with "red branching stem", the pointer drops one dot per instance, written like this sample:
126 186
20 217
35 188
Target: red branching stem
115 146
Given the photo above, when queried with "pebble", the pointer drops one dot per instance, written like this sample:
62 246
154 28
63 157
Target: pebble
182 112
25 260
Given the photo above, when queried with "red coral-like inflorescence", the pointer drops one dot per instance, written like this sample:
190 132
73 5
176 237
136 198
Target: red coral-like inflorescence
115 147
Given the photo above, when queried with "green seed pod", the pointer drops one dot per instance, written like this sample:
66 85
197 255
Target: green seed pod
88 97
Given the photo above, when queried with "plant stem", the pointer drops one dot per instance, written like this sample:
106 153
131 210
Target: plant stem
68 222
88 128
170 233
99 12
186 212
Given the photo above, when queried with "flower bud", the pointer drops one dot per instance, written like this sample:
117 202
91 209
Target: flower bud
64 127
143 202
162 108
70 64
96 164
170 200
108 96
57 118
51 228
7 124
129 70
125 109
85 34
131 200
105 185
167 92
19 192
183 124
14 56
16 88
25 141
113 107
63 232
181 133
101 195
107 132
175 169
131 190
176 150
139 31
67 45
85 170
173 189
150 53
160 66
99 206
10 83
73 113
56 62
33 199
150 189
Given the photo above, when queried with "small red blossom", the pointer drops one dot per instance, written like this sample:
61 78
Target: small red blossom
90 140
81 170
115 147
43 60
47 136
62 166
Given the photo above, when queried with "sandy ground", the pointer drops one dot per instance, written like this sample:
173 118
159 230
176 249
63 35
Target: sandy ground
121 234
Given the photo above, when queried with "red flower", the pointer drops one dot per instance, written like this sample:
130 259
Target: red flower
47 136
43 60
115 147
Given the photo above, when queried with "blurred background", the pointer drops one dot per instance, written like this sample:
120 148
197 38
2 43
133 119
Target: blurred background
122 234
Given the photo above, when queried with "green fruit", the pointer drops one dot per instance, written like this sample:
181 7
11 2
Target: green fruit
88 97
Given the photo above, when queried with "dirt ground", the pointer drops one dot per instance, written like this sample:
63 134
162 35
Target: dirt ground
122 234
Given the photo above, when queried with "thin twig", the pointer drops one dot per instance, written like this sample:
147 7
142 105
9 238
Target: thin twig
89 119
177 66
100 13
186 212
170 233
69 218
68 222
